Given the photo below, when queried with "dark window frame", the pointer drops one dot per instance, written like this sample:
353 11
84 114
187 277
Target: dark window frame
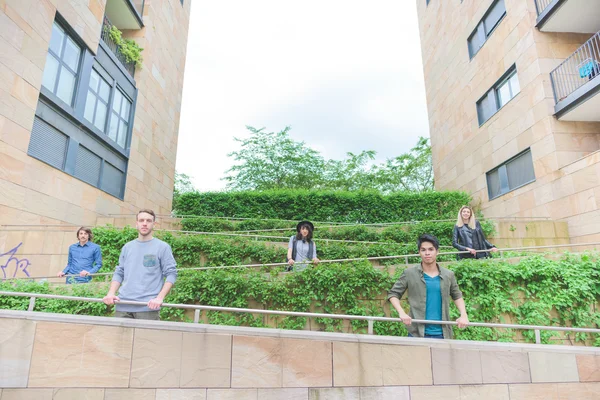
492 95
503 176
67 34
480 29
97 99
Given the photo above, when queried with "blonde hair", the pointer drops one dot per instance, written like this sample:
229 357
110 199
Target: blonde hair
459 220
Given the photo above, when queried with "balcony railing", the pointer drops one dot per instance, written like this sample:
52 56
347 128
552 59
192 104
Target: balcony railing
580 68
106 26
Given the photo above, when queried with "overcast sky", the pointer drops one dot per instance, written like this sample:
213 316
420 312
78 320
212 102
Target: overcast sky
346 75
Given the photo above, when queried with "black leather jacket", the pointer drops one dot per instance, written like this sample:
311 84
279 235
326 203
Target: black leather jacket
463 237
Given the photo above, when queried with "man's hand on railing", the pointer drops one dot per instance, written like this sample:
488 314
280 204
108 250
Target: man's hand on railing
463 322
84 273
110 299
406 319
155 304
60 274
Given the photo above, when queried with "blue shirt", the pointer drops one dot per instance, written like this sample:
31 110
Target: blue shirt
433 304
87 257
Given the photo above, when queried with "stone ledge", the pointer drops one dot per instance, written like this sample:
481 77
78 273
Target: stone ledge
281 333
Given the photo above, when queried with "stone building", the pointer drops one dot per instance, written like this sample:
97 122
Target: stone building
83 132
514 110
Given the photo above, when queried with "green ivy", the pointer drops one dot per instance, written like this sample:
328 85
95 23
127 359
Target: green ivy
536 290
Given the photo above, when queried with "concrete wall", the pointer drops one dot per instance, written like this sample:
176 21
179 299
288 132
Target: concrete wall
33 192
565 189
51 356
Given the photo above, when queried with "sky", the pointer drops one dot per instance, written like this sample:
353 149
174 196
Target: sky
346 76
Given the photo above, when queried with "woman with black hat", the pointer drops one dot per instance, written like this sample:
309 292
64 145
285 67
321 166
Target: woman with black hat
301 247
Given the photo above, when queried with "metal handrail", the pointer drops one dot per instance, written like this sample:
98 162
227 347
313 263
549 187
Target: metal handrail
541 5
405 256
581 67
370 319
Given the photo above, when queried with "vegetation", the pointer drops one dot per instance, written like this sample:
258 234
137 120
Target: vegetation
273 160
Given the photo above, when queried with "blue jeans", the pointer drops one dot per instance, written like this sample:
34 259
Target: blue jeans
430 336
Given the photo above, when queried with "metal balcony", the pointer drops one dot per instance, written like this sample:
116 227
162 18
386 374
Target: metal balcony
106 26
577 16
576 84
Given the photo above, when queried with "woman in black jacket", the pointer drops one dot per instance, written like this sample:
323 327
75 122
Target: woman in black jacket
468 236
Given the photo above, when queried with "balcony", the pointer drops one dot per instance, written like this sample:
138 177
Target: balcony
125 14
577 16
106 26
576 84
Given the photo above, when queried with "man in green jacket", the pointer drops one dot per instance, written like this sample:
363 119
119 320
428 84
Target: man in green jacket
429 289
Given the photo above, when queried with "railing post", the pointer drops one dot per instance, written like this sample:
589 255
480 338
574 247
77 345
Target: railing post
31 303
538 338
196 316
370 327
406 260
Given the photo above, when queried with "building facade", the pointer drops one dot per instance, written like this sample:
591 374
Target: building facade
514 106
84 131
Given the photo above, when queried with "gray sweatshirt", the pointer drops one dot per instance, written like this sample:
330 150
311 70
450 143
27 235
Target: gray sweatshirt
142 269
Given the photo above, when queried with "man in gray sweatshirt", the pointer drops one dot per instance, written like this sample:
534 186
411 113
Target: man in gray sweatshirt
146 270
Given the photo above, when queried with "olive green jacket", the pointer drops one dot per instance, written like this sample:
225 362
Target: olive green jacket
412 280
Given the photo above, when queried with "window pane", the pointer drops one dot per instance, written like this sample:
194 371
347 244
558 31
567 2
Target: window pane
100 116
104 90
90 102
50 71
125 109
520 171
71 54
485 109
94 81
503 94
493 180
56 40
496 12
514 85
117 101
122 134
66 83
114 125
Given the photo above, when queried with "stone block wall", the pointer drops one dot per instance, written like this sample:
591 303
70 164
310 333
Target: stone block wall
73 357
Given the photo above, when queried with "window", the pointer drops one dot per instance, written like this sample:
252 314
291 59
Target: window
62 65
119 120
96 104
500 94
84 112
516 172
486 26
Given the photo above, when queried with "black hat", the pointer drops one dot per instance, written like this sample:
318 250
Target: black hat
312 227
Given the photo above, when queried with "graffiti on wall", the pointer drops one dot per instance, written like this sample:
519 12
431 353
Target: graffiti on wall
11 265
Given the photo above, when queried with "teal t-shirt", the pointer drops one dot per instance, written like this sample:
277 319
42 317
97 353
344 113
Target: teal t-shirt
433 304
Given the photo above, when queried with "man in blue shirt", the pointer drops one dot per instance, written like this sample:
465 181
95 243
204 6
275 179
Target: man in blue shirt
85 258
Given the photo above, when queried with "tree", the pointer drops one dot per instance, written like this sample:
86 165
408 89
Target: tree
269 160
351 173
412 171
182 184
